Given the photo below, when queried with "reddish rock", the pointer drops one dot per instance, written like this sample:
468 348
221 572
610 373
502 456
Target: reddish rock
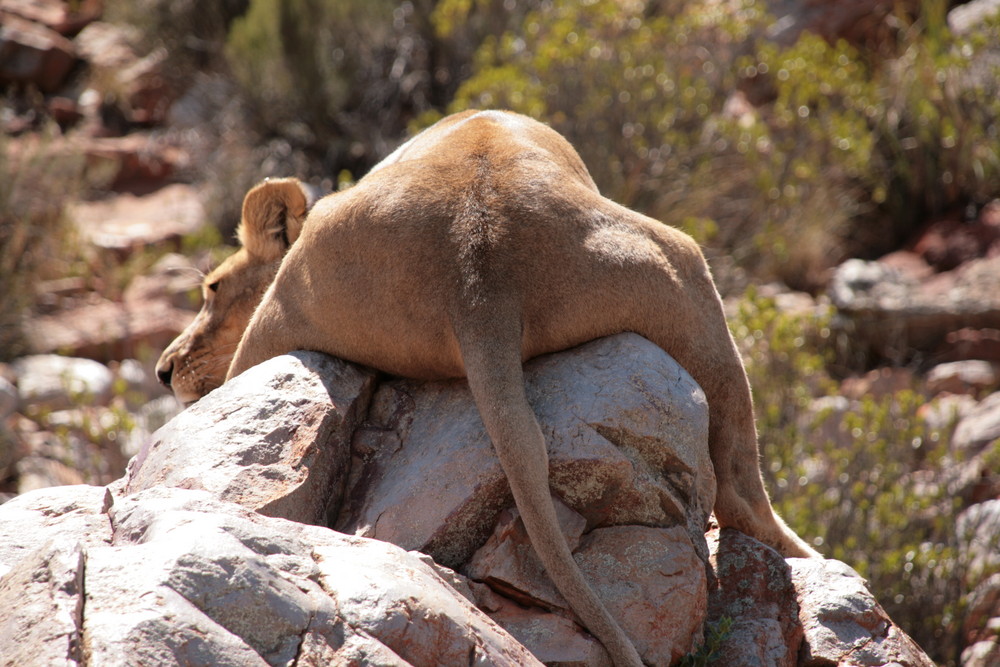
140 84
106 330
948 243
869 23
908 264
126 221
63 110
30 53
878 383
897 315
107 46
651 579
507 562
654 582
753 587
970 344
963 377
64 17
982 616
147 93
553 639
135 163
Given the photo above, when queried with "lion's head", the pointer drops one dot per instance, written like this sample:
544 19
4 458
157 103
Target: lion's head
196 362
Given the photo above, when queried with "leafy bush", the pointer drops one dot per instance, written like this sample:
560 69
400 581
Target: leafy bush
916 134
649 103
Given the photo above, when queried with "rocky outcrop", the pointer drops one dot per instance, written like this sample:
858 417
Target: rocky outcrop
177 563
627 429
33 53
312 405
842 622
897 312
937 298
173 576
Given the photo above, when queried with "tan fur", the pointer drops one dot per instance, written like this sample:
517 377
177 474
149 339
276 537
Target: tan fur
481 243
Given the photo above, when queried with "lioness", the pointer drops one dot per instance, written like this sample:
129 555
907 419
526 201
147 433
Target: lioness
478 244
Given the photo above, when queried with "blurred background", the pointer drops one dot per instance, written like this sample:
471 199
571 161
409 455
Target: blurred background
839 162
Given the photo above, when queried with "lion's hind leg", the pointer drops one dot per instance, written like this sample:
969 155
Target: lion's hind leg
691 326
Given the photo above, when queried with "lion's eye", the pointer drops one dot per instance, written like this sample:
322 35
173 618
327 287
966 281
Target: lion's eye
214 287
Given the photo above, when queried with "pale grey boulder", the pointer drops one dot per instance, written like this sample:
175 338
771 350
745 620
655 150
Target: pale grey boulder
69 514
53 382
191 580
843 623
626 429
275 440
41 606
200 576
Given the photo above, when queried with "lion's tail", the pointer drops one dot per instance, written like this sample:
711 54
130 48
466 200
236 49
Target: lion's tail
490 341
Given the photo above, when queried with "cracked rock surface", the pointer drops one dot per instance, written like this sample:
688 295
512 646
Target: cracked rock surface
215 549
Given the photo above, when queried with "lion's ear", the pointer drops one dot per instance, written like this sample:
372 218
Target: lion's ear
273 213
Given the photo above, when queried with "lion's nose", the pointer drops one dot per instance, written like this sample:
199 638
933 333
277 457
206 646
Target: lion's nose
164 371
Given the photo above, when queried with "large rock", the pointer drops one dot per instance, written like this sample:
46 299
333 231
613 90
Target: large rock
188 580
275 440
53 382
633 568
897 313
978 530
64 17
982 622
127 222
31 53
979 426
72 514
843 623
108 330
159 574
138 163
753 589
626 428
43 606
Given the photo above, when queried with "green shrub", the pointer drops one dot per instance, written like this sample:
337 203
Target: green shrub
938 129
706 654
915 134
